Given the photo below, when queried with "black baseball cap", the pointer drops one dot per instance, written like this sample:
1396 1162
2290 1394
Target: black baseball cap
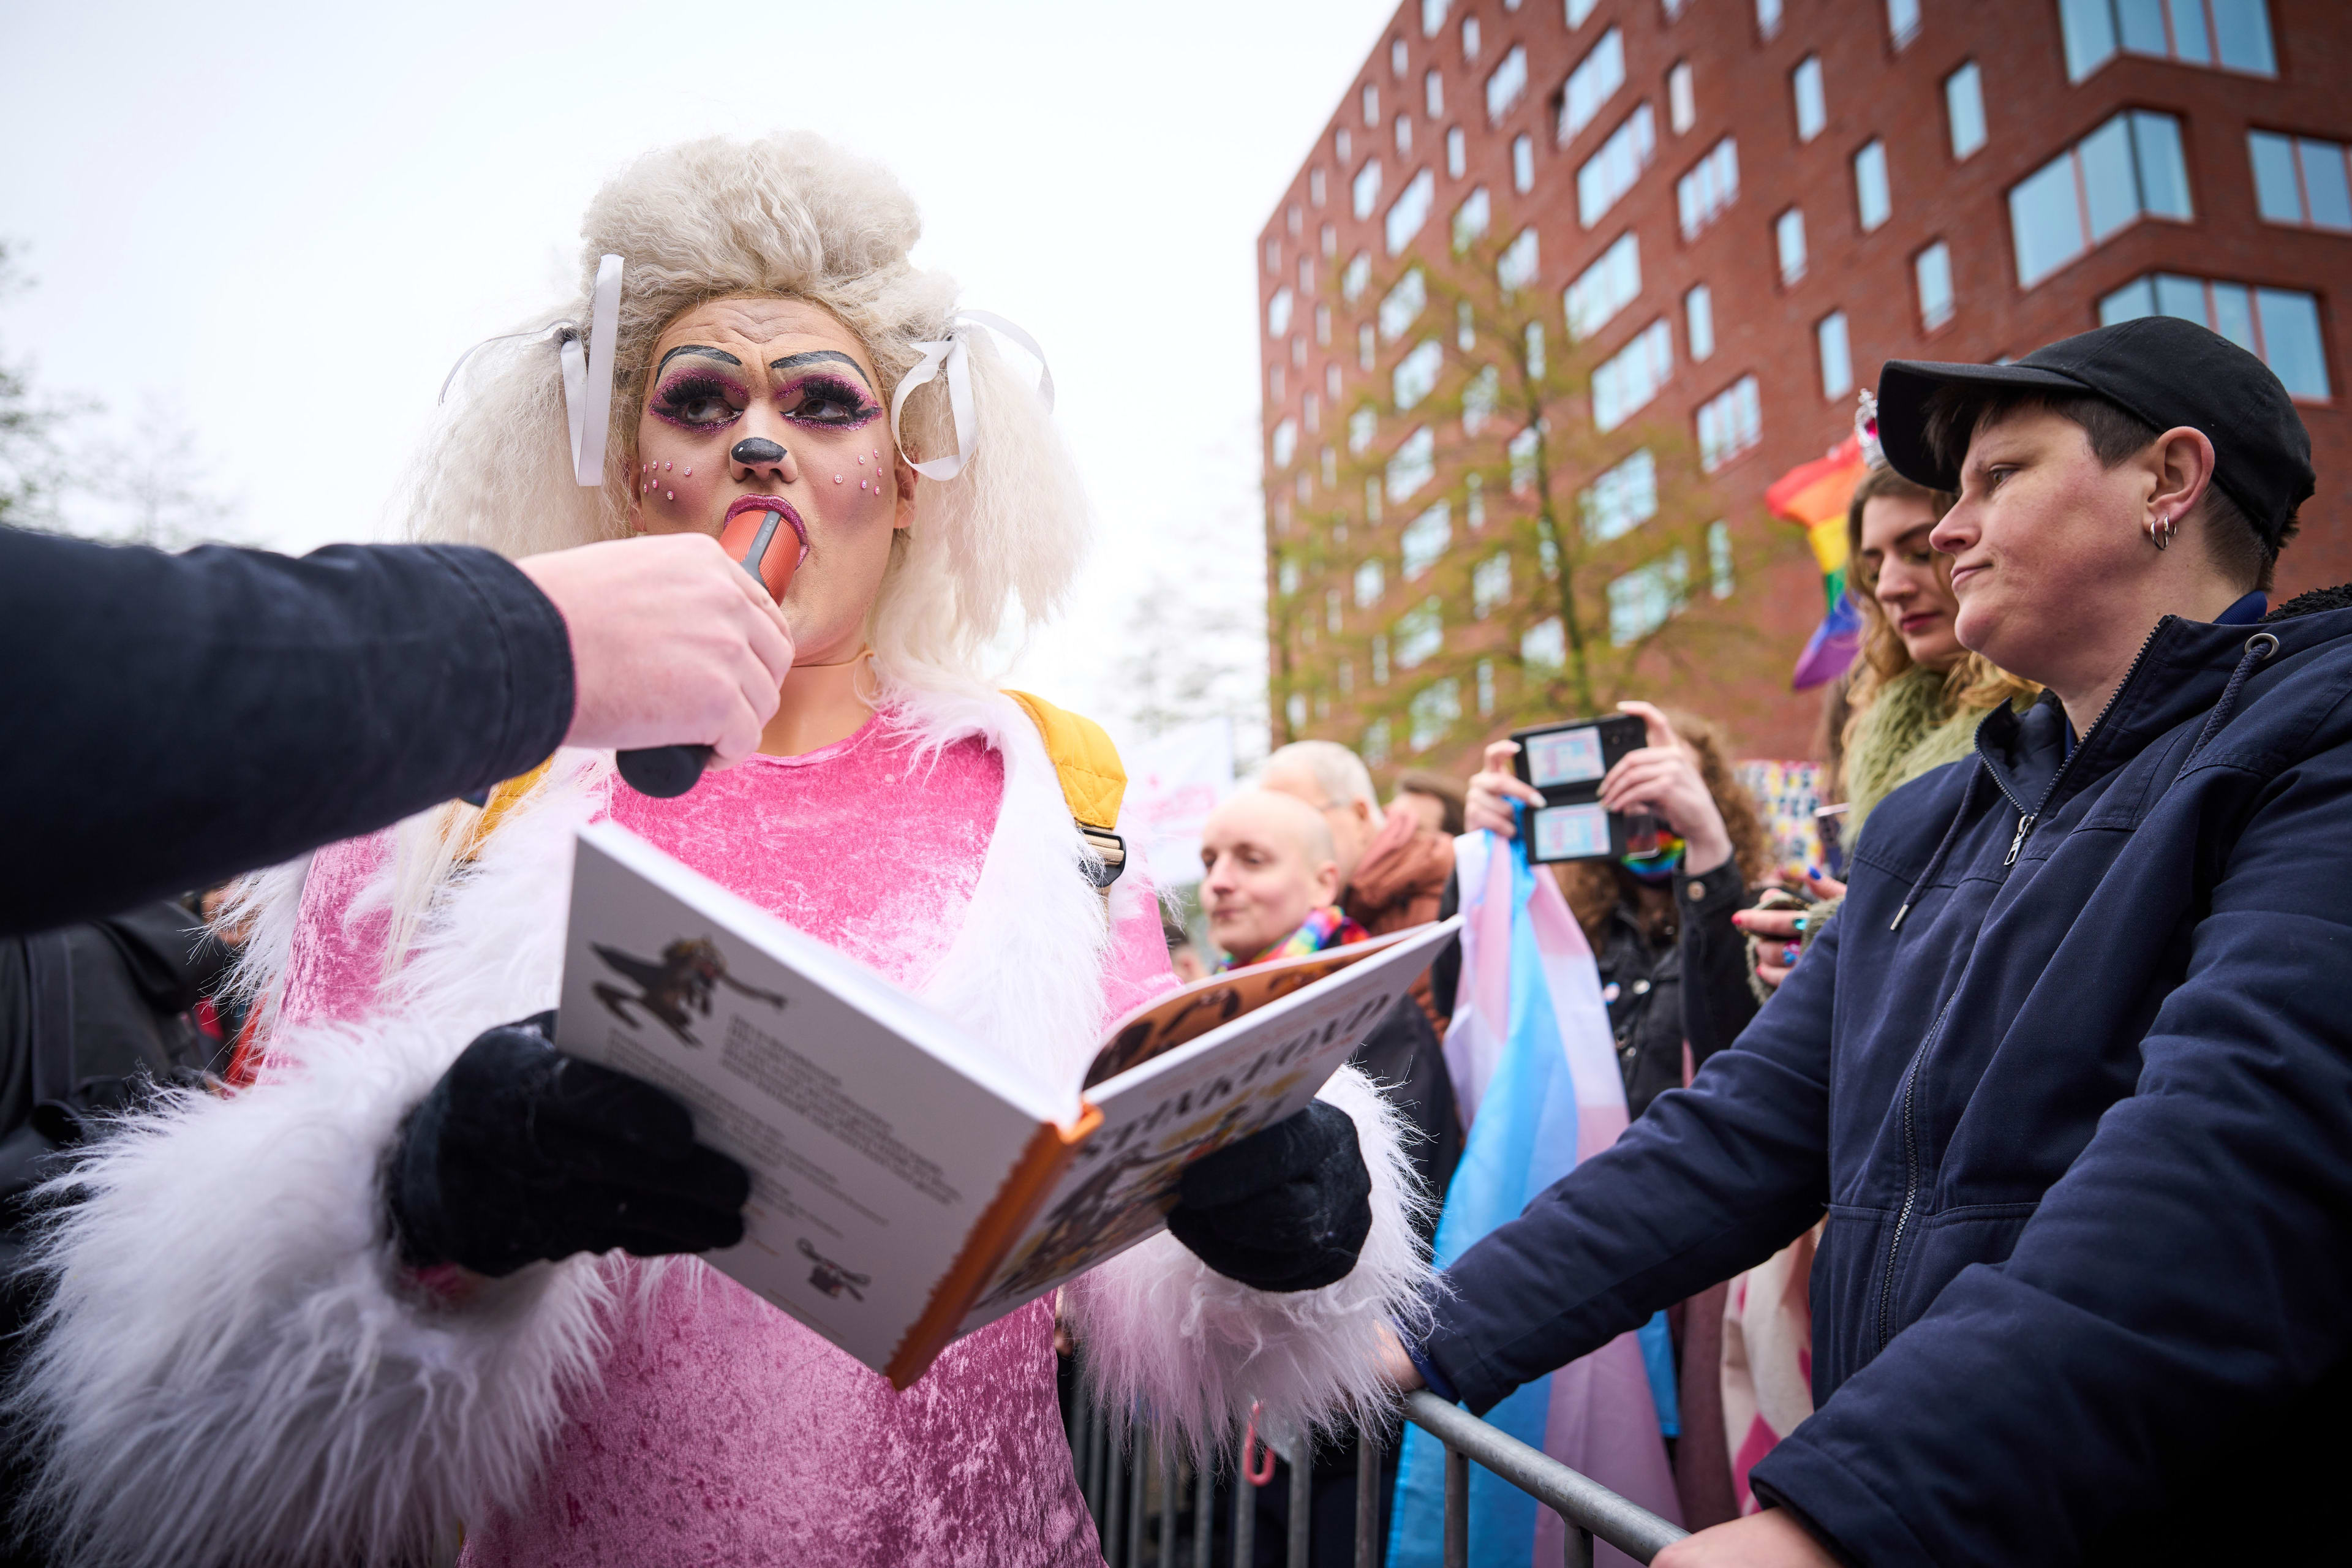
2162 369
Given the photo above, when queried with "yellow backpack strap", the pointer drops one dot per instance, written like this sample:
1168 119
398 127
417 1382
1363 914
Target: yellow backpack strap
1093 782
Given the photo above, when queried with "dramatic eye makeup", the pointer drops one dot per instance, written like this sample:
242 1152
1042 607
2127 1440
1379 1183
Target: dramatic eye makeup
828 400
697 395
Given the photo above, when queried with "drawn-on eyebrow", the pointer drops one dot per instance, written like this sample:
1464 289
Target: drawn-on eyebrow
791 362
719 354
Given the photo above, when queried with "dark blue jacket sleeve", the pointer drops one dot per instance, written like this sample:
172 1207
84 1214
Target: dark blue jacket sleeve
171 720
1712 1179
2188 1275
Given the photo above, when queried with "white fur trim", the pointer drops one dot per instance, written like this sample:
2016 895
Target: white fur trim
1163 1333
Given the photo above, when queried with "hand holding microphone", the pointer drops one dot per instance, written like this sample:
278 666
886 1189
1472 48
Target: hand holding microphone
671 638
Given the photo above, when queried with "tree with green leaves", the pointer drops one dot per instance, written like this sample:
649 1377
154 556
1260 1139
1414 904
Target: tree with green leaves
1491 512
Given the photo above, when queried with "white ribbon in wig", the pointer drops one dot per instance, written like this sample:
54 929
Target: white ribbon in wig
948 357
588 375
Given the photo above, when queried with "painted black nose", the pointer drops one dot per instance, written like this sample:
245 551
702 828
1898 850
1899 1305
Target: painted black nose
755 450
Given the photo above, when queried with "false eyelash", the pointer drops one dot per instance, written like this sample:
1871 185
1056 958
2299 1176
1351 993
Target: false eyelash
690 388
836 390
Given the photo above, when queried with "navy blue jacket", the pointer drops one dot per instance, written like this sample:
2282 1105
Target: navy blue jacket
2081 1121
170 720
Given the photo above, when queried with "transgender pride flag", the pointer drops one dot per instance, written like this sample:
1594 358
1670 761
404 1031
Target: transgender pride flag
1535 1072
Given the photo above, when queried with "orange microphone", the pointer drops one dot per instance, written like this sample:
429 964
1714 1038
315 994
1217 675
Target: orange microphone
765 536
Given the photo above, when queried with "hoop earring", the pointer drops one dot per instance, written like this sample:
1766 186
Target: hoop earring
2159 530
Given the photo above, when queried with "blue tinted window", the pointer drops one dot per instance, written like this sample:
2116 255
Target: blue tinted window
2275 191
2242 29
2163 172
2291 341
2324 184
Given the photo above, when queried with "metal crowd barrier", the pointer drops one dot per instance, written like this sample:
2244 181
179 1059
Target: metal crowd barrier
1153 1507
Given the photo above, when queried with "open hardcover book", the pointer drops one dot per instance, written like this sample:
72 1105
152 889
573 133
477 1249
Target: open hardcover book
907 1189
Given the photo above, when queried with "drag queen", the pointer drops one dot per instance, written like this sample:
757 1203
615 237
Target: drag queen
246 1362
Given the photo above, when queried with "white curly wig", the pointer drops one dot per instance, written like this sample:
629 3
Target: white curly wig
795 216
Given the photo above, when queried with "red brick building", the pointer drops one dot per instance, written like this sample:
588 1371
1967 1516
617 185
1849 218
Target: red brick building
1967 182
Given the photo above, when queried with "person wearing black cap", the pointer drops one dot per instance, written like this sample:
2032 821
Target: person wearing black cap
2070 1072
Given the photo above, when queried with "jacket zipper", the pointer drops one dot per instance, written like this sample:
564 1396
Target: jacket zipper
2025 821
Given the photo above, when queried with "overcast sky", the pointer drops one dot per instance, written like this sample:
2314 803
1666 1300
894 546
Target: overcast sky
281 225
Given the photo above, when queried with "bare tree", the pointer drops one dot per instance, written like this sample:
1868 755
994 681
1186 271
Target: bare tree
32 466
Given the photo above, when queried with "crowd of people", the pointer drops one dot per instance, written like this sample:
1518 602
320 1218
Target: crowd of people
1982 1203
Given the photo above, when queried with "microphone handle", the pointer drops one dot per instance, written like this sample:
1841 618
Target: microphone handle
664 770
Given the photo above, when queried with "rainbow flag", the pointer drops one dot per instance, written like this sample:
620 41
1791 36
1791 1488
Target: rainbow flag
1813 496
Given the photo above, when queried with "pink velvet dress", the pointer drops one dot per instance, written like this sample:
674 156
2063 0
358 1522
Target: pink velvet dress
723 1431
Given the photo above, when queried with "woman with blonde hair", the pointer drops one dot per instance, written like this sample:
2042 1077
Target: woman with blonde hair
394 1291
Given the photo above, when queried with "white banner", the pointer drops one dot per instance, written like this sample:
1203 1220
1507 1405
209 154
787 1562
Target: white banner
1172 784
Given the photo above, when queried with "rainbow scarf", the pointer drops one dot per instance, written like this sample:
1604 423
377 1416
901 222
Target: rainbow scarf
1325 927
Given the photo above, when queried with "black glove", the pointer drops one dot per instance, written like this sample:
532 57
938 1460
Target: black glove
522 1153
1284 1209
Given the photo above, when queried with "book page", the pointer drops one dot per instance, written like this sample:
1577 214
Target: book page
1189 1101
873 1141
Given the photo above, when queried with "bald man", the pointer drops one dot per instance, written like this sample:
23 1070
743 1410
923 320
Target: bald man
1266 864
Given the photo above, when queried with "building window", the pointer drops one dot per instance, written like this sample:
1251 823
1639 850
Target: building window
2301 180
1627 380
1522 454
1341 145
1330 469
1435 709
1480 396
1872 201
1595 79
1516 268
1682 101
1931 270
1293 707
1274 384
1421 541
2234 34
1698 321
1403 305
1433 94
1331 622
1404 135
1357 278
1414 465
1579 12
1376 734
1902 21
1485 675
1471 218
1372 581
1534 337
1410 211
1397 57
1432 16
1330 242
1457 153
1466 334
1605 288
1964 109
1610 173
1277 313
2280 325
1789 241
1331 383
1544 646
1419 633
1669 9
1813 108
1474 505
1712 185
1367 188
1620 499
1643 599
1373 501
1312 411
1469 39
2128 167
1364 347
1718 562
1523 164
1729 423
1347 673
1836 353
1314 190
1371 104
1323 325
1507 85
1767 17
1362 426
1490 586
1286 443
1273 255
1286 577
1306 274
1415 376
